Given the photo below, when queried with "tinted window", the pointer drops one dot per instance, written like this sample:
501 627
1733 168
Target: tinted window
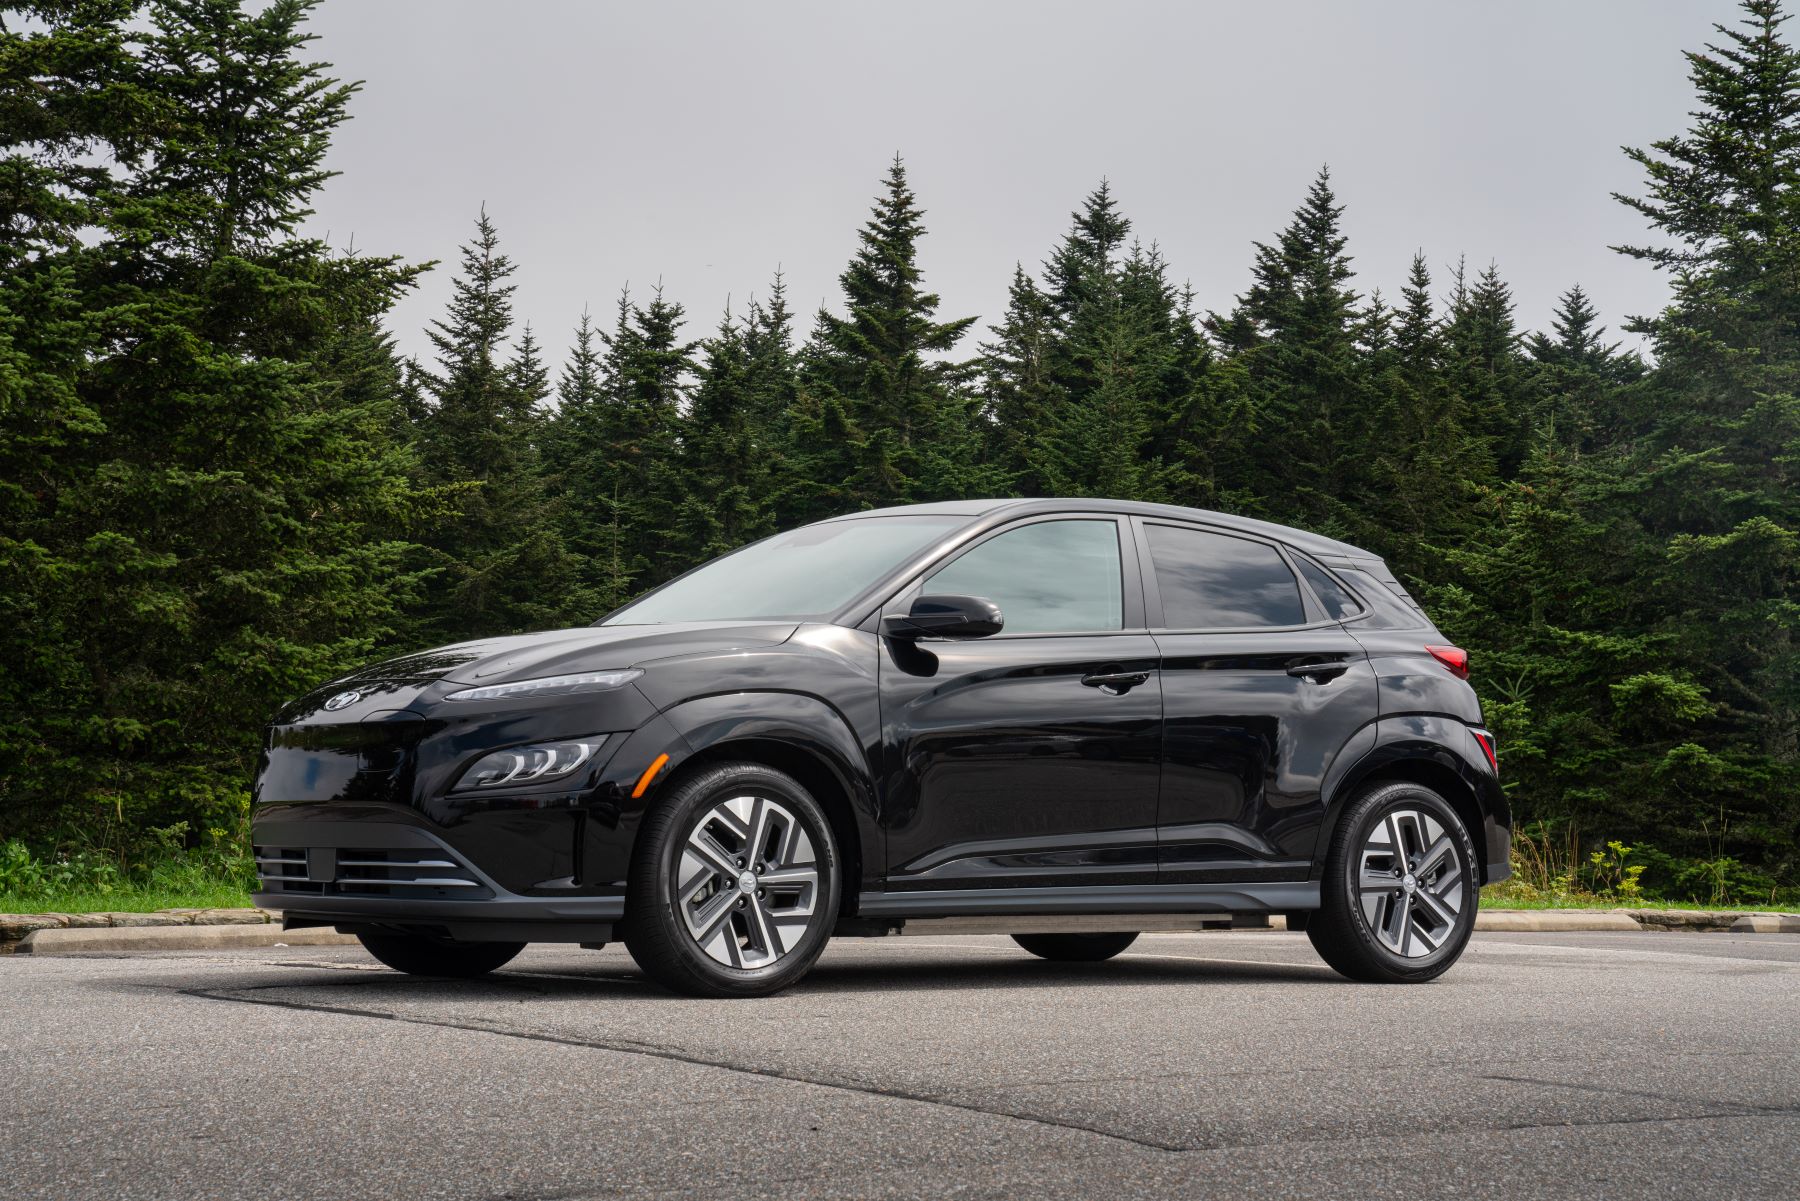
1046 577
1334 596
808 572
1213 581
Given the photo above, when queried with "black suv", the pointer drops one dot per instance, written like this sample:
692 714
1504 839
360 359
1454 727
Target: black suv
1068 720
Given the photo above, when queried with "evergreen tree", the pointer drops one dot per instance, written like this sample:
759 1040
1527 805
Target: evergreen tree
892 419
1021 396
220 530
1716 464
1295 330
1486 366
501 563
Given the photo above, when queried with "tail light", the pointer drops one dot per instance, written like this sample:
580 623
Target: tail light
1453 657
1487 747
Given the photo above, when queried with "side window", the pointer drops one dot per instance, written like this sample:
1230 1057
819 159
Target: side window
1048 577
1217 582
1334 596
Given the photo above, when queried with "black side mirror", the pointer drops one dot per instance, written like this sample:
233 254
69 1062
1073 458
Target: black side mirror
945 617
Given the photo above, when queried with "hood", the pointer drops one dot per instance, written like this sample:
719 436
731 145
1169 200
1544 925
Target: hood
392 683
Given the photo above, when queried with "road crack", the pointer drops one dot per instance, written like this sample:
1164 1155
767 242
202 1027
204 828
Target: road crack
652 1050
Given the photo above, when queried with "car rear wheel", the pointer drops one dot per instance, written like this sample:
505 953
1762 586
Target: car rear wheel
734 885
1399 893
417 955
1075 948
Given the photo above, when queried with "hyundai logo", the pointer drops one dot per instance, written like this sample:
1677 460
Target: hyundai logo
342 700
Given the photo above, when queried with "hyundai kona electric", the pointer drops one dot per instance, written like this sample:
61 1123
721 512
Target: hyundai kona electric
1066 720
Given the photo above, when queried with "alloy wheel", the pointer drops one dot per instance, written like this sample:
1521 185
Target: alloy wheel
747 884
1411 882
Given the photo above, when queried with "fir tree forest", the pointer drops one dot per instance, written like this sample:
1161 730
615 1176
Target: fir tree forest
221 483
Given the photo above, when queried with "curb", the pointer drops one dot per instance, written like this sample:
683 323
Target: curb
15 927
61 941
1523 921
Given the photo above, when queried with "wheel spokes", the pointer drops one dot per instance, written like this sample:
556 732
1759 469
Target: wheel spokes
1409 883
748 881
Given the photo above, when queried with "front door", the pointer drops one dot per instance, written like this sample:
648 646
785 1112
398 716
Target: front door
1028 758
1262 693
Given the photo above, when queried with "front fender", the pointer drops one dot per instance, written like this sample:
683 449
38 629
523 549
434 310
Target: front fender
793 724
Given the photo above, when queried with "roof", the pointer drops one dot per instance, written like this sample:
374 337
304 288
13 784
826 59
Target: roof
1301 539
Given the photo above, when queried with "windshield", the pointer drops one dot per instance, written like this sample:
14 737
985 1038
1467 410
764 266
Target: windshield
807 573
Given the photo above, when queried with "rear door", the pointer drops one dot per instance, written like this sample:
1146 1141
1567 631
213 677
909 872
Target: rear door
1262 692
1029 758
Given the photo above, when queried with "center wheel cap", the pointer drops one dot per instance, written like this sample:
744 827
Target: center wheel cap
1409 883
746 881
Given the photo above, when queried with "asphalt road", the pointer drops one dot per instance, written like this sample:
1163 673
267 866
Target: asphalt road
1629 1065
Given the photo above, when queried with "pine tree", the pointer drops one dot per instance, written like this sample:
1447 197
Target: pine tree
1295 330
1420 493
1486 367
876 377
1022 399
501 563
223 526
1716 487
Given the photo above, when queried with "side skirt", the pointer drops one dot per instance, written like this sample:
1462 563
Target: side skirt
1250 897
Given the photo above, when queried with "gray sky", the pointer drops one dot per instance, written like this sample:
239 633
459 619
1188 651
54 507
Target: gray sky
704 144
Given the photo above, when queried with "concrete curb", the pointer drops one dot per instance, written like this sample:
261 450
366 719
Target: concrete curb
1521 921
15 926
62 941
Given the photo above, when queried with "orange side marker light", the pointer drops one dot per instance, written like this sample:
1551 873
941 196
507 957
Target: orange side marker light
656 765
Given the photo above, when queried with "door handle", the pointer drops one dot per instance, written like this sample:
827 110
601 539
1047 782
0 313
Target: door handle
1116 683
1319 673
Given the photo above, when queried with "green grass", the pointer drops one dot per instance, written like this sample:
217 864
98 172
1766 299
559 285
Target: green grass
125 900
1499 896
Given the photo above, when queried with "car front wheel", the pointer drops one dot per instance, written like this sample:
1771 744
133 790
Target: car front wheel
417 955
734 886
1399 891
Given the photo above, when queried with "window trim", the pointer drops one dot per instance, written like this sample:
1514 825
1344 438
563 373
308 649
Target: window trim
1131 592
1362 606
1316 617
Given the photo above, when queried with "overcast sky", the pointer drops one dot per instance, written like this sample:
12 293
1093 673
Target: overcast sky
706 144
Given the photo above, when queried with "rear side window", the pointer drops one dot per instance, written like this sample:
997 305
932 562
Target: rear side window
1047 577
1217 582
1334 596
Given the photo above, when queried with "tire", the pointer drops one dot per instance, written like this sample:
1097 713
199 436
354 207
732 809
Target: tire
417 955
723 939
1413 931
1075 948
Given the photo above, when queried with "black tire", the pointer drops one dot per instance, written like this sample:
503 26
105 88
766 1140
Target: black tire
1075 948
655 928
417 955
1341 930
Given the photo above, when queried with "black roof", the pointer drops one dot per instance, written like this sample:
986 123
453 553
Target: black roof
1305 540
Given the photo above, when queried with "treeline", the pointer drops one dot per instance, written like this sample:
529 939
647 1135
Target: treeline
221 484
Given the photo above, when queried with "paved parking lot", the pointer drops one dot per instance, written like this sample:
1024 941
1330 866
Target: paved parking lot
1208 1065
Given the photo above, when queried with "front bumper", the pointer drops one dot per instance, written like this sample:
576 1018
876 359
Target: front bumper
367 873
376 843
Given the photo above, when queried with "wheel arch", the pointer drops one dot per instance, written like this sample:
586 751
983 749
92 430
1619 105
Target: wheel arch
808 740
1422 754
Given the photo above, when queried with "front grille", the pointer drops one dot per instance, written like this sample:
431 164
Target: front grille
419 873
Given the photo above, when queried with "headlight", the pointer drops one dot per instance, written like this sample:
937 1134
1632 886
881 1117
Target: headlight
529 764
592 681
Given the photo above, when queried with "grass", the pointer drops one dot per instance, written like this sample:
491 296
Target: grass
124 900
1500 896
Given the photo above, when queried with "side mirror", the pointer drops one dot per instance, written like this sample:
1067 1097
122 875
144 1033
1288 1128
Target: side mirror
945 617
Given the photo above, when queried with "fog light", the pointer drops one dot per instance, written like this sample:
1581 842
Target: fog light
529 764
